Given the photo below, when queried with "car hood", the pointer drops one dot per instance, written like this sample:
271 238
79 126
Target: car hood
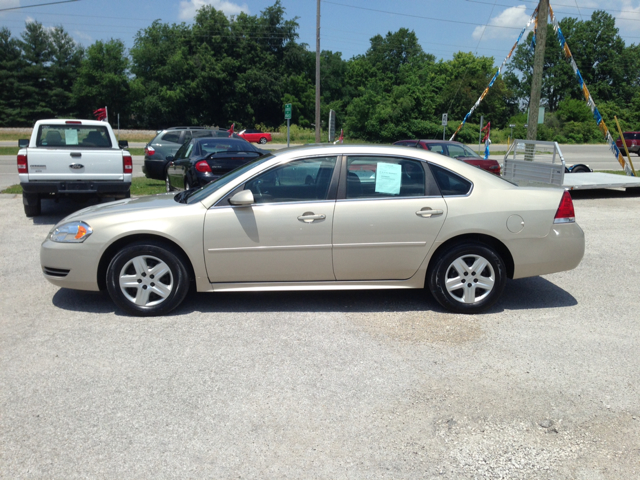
126 206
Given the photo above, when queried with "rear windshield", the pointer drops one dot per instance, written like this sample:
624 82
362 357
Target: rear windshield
630 135
85 136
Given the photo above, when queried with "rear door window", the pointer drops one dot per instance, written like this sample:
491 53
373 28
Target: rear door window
385 177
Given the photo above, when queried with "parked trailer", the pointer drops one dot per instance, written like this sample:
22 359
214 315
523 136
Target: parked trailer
542 162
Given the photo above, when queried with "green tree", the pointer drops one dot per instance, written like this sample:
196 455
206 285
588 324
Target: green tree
34 79
66 57
103 80
12 91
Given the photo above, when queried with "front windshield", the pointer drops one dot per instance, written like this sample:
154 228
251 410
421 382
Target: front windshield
199 194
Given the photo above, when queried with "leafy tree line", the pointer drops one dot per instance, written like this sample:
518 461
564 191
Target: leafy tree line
242 70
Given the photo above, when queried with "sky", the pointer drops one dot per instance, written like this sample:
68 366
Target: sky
484 27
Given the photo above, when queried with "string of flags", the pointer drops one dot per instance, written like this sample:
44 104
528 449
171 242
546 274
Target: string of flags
594 110
486 90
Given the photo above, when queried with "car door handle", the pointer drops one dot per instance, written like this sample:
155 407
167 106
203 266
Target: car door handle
310 217
75 154
427 212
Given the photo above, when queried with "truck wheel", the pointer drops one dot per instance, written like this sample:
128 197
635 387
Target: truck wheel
32 204
147 279
468 278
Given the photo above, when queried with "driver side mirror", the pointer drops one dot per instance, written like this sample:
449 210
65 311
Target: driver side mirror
23 143
242 199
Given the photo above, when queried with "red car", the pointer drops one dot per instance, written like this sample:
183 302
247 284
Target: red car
255 136
455 150
632 139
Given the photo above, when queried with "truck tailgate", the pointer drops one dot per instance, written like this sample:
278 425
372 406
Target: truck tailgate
62 164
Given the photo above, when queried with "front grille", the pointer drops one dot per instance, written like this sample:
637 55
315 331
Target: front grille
55 272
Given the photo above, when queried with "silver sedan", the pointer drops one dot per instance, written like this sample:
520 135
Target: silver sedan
321 218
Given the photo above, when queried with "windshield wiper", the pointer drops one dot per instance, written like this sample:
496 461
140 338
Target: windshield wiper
181 197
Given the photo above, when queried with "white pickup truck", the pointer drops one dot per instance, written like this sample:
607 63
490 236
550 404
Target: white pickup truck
80 158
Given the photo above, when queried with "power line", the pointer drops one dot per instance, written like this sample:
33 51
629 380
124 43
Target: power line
38 5
634 12
420 16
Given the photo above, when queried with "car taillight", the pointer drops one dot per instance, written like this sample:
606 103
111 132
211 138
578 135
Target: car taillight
23 164
203 167
127 164
149 150
565 213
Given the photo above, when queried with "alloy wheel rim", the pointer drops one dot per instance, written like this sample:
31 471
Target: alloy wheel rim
470 279
146 281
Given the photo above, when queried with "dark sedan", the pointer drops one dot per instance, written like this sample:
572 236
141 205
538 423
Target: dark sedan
202 160
455 150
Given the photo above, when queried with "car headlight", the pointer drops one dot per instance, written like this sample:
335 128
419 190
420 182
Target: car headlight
72 232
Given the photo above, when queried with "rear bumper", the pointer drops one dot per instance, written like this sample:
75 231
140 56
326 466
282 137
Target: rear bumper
153 168
76 187
562 249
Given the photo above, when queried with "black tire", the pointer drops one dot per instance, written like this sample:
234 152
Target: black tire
167 183
262 141
147 296
32 204
444 275
187 186
580 169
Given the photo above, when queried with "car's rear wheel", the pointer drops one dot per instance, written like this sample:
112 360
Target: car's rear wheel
187 185
580 169
32 204
263 140
467 278
147 279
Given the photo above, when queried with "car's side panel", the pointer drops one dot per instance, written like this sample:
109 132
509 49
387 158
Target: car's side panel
384 239
269 242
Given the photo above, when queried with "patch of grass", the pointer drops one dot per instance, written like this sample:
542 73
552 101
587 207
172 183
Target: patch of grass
615 172
9 150
140 186
12 189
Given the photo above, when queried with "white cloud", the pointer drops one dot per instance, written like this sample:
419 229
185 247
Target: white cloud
188 8
83 36
516 17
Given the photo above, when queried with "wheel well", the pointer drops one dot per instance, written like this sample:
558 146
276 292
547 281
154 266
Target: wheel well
496 244
110 252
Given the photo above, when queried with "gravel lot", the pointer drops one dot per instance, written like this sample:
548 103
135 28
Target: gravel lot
326 385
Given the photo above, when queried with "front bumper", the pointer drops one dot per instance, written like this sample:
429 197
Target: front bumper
70 265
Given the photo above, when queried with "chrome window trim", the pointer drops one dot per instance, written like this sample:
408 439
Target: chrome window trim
307 202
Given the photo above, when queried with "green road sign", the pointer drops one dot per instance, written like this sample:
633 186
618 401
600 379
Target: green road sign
287 111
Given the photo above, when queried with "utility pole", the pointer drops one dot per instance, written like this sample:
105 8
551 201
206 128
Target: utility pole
318 73
538 66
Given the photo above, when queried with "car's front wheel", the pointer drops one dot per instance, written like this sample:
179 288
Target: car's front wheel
147 279
467 278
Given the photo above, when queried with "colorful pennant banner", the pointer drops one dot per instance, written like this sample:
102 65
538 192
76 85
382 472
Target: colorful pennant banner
596 114
486 90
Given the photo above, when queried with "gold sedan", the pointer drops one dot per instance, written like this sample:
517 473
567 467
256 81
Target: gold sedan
321 218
